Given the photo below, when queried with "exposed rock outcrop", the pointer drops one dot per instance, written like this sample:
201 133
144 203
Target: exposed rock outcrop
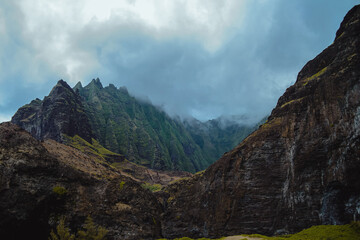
298 169
62 112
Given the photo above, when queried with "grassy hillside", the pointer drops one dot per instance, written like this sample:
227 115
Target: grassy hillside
321 232
150 179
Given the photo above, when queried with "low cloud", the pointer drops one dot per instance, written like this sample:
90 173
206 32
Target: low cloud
193 58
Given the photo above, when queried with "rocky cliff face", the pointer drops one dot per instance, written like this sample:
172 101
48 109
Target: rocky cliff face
62 112
298 169
42 181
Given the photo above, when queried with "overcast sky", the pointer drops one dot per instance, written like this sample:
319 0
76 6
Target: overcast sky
195 58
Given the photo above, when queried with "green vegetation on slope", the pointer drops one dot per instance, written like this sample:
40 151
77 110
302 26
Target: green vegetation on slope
95 148
321 232
90 231
137 130
152 187
215 137
325 232
147 136
328 232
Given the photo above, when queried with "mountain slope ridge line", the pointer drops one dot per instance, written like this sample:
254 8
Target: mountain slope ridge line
298 169
138 130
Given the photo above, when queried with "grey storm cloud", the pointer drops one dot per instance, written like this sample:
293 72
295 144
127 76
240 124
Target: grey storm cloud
24 75
187 72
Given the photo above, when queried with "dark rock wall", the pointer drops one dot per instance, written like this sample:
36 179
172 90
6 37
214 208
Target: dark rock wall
298 169
62 112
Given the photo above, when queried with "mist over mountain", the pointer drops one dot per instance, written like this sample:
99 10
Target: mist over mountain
141 132
212 58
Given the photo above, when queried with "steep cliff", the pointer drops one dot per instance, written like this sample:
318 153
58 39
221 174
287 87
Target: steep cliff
61 112
300 168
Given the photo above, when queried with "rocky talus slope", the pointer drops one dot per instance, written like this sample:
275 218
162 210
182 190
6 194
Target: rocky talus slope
299 169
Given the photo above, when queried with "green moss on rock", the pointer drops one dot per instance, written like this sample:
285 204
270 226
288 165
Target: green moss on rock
316 75
59 190
152 187
122 183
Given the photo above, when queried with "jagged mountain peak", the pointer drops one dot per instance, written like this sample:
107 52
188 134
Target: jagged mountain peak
95 83
61 112
78 86
62 88
63 83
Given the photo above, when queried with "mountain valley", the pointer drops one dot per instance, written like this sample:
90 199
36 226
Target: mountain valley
98 152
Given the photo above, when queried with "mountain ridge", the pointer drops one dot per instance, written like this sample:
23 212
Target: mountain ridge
136 129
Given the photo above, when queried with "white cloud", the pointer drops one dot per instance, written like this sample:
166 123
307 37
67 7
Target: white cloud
225 57
51 25
4 118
